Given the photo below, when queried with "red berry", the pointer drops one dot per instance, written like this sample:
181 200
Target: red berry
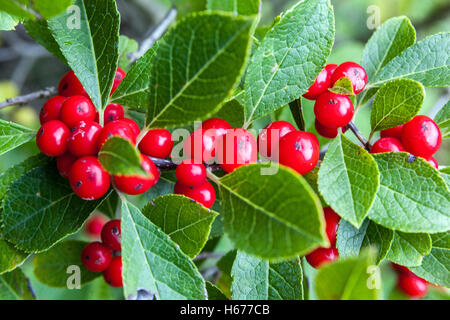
200 145
136 184
299 150
133 125
190 173
236 149
52 138
93 226
64 164
387 145
96 257
333 110
332 223
322 82
113 275
111 235
269 138
322 256
218 126
71 86
120 74
76 109
421 136
112 112
51 109
395 132
157 143
354 72
88 179
118 129
83 140
433 162
412 285
203 194
400 269
327 132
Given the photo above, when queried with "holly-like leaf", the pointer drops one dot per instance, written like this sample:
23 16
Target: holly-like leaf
273 215
40 209
13 135
243 7
442 119
297 113
412 196
119 157
408 249
348 180
10 257
196 67
153 262
14 285
90 43
186 222
52 267
426 61
289 58
256 279
126 46
343 86
396 103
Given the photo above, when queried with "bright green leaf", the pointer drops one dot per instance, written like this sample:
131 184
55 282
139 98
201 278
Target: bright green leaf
7 21
241 7
126 46
214 293
343 86
13 135
442 119
408 249
15 8
50 8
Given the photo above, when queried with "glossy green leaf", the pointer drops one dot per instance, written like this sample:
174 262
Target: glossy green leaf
13 135
343 86
242 7
442 119
408 249
15 286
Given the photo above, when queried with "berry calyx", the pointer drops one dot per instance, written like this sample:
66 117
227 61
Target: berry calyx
322 256
112 112
83 139
120 74
134 185
71 86
52 138
421 136
299 150
157 143
412 285
269 137
110 235
93 226
333 110
190 173
395 132
76 109
116 129
51 109
332 223
322 82
354 72
96 257
203 194
113 274
387 145
327 132
64 164
88 179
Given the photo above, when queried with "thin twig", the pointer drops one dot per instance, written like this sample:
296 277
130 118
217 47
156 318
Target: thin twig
358 135
21 100
164 164
208 255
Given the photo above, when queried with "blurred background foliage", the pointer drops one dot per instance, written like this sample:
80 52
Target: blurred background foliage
26 67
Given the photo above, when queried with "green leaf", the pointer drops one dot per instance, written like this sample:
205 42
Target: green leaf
427 61
289 58
126 46
202 69
16 9
312 178
119 157
40 209
348 180
51 267
380 239
442 119
13 135
343 86
153 262
297 112
50 8
186 222
91 48
242 7
348 279
214 293
15 286
435 267
396 103
10 257
408 249
8 22
276 216
445 174
255 279
233 112
109 206
412 196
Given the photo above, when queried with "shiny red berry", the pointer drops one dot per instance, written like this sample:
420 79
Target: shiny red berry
96 257
136 184
412 285
52 138
71 86
421 136
83 139
203 194
112 112
111 235
395 132
76 109
64 164
51 109
433 162
327 132
354 72
157 143
217 126
400 269
299 150
322 256
113 275
269 138
120 74
88 179
133 125
116 129
332 223
333 110
93 226
200 145
322 82
190 173
387 145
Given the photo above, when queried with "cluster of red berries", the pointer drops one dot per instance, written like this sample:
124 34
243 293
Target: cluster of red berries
105 256
410 284
322 256
420 136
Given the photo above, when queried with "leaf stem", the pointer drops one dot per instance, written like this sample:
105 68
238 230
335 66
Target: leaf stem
21 100
212 176
358 135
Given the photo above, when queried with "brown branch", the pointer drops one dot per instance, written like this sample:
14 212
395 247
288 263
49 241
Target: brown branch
358 135
164 164
21 100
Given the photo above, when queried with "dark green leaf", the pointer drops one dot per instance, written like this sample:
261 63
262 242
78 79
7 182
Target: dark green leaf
233 112
297 113
214 293
408 249
15 286
10 257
